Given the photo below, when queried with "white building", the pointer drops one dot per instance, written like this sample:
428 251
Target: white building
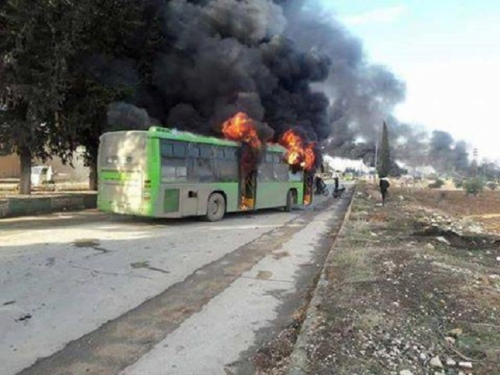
342 164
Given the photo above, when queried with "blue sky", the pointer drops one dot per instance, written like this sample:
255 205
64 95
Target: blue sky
448 53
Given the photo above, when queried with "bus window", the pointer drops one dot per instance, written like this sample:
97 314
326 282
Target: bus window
172 169
173 160
266 172
295 176
206 151
227 167
230 153
219 153
180 150
166 148
203 170
281 171
203 167
194 150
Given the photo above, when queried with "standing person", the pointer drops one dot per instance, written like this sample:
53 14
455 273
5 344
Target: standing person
384 185
337 191
336 181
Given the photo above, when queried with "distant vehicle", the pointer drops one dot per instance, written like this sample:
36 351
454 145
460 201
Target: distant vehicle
349 176
173 174
42 175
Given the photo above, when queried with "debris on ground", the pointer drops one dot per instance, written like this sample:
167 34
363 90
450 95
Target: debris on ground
411 288
24 317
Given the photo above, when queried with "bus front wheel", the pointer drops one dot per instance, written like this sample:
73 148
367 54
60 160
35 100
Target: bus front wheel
289 201
216 207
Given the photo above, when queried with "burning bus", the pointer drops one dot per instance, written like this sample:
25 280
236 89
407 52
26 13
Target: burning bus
166 173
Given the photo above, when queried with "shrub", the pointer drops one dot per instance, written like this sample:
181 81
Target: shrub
459 183
436 184
474 186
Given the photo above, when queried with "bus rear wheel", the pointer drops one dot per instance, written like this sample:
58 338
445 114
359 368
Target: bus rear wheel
216 207
289 201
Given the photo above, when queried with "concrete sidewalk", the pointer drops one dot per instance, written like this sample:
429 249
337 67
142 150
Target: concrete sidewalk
15 206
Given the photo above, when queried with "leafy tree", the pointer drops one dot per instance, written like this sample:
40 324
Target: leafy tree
474 186
32 62
61 65
103 69
384 165
489 170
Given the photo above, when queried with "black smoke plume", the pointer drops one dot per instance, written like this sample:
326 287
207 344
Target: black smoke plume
221 57
285 63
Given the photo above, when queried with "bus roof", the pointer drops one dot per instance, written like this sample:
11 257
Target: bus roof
166 133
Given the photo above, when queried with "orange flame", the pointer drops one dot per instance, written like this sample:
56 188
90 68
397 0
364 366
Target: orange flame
298 154
307 199
242 129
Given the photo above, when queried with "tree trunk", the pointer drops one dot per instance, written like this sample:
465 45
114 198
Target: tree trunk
26 161
93 175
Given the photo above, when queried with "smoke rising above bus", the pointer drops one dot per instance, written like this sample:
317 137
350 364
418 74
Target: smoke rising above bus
283 63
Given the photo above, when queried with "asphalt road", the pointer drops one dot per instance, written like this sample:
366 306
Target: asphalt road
88 293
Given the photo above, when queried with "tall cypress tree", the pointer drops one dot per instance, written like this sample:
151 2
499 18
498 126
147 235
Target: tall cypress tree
384 163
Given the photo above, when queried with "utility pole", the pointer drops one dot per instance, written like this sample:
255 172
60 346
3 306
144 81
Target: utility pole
474 163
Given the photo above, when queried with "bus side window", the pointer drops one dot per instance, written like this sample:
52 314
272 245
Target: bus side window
194 150
219 153
180 150
281 167
204 165
227 166
230 153
166 148
173 160
281 171
266 169
206 151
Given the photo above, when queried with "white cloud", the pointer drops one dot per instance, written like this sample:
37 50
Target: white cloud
382 15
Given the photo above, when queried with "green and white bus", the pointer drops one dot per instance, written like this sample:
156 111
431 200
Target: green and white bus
165 173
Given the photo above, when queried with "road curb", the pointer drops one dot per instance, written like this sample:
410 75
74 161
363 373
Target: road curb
27 206
299 362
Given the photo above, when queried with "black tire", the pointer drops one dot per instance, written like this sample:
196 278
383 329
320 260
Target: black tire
326 192
289 201
216 207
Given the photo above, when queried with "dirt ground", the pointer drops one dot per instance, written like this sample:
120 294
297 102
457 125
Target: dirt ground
411 288
484 209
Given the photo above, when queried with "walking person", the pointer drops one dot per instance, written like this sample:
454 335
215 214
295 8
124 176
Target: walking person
384 185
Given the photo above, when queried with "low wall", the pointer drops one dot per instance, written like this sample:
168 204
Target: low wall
34 205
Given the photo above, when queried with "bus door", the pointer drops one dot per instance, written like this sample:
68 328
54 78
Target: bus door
248 161
308 187
248 189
